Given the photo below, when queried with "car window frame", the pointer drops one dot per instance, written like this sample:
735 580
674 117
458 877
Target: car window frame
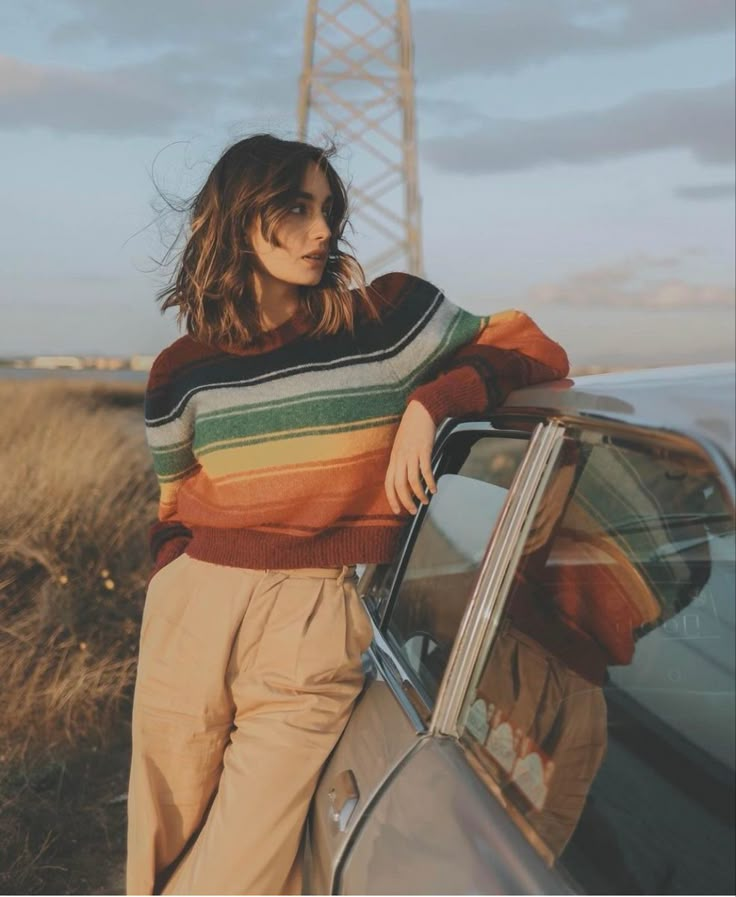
496 571
483 433
381 595
386 659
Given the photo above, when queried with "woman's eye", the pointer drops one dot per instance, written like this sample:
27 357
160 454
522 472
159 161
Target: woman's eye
298 209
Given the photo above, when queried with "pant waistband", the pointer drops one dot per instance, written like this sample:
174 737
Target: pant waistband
319 572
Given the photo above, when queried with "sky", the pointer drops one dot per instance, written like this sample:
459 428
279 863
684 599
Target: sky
575 160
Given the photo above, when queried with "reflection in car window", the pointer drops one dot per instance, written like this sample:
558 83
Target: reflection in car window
473 480
605 708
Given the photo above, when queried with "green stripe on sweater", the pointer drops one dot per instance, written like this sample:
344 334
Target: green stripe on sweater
307 414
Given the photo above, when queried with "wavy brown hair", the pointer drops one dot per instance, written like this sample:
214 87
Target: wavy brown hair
212 285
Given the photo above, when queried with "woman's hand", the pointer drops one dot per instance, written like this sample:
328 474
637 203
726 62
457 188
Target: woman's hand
411 456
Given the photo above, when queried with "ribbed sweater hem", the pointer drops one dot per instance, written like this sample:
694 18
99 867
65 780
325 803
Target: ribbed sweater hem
265 551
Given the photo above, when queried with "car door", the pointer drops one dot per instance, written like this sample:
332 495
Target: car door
421 605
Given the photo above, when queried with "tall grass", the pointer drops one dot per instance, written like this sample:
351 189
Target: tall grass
76 495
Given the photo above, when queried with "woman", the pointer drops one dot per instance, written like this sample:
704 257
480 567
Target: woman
291 432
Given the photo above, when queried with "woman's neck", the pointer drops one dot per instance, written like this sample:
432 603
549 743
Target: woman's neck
276 300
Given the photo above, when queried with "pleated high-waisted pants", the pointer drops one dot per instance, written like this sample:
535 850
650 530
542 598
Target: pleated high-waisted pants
246 678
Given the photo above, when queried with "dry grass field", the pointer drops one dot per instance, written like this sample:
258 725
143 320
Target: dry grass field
76 496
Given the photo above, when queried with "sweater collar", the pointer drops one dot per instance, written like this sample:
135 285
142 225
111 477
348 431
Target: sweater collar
290 329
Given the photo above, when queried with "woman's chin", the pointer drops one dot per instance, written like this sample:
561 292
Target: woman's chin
312 280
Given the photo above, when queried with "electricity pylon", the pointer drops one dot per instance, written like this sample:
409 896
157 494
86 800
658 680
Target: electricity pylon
357 78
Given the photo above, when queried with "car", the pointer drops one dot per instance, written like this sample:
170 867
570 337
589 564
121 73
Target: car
549 696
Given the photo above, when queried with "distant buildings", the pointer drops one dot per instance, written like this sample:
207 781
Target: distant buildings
141 362
56 362
105 364
81 363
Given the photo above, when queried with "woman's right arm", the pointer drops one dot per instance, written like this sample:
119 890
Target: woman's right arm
169 433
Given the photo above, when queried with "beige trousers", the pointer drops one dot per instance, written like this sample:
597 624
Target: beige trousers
246 679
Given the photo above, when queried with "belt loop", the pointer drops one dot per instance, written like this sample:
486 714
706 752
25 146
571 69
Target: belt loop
346 568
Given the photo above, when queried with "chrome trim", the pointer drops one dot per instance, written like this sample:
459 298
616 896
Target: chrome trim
495 573
391 672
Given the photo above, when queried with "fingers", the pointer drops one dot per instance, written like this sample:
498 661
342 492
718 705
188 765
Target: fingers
425 462
411 457
403 484
389 488
415 482
404 493
397 488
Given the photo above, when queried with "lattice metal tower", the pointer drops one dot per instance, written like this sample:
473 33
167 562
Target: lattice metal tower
357 86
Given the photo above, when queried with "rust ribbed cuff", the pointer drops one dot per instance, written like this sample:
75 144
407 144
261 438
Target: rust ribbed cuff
457 392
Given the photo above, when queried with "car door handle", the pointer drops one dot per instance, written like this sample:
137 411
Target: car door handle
343 797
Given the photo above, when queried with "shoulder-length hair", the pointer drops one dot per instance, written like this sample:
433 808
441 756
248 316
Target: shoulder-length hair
212 284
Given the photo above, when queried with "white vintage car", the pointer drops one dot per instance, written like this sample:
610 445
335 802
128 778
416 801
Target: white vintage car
549 702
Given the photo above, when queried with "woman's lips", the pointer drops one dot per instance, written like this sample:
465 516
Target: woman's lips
316 262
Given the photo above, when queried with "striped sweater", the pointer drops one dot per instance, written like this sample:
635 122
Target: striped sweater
275 456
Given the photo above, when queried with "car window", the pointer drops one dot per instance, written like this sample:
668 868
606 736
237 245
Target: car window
603 709
473 478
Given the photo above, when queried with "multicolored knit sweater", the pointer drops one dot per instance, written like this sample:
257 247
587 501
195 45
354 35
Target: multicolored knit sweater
275 456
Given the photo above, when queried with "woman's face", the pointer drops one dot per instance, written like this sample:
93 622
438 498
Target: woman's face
304 236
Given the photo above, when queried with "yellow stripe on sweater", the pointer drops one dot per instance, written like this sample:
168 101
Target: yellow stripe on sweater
290 454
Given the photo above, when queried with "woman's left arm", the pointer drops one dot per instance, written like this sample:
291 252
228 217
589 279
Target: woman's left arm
508 351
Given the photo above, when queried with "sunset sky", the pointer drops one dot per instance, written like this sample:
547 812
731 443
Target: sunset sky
576 159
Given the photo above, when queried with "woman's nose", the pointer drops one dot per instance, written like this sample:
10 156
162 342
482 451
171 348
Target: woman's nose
320 227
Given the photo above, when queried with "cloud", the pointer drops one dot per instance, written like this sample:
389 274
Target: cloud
180 23
66 99
706 191
193 64
700 120
502 36
635 282
151 98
